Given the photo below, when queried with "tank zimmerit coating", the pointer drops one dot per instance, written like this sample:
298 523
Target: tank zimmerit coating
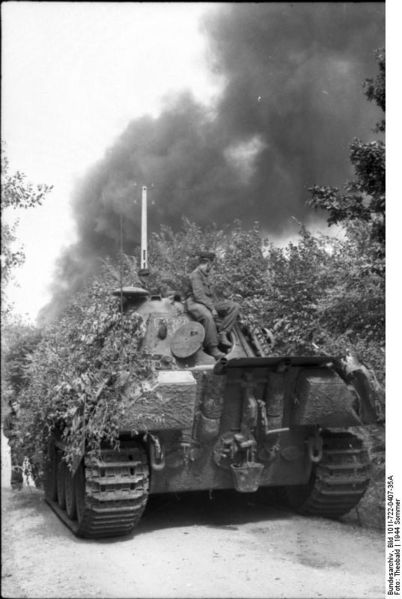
246 422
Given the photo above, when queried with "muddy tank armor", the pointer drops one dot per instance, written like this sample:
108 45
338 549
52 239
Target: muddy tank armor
250 420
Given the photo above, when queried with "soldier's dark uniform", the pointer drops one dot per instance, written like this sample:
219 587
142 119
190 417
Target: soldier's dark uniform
200 303
16 461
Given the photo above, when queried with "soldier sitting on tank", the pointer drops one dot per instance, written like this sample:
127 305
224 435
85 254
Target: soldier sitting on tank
201 305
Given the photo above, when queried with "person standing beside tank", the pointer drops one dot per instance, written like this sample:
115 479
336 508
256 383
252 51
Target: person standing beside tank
9 431
201 305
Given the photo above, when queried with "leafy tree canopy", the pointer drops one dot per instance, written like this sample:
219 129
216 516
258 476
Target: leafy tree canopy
363 199
16 193
317 294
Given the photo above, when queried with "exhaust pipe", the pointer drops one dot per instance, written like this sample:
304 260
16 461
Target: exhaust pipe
220 366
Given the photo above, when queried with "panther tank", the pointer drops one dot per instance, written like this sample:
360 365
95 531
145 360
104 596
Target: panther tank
251 420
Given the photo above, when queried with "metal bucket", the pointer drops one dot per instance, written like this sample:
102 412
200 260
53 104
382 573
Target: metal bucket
247 476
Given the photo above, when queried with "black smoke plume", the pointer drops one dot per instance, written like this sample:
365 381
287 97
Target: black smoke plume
291 103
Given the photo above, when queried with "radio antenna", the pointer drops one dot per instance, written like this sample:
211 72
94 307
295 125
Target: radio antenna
121 264
144 233
144 229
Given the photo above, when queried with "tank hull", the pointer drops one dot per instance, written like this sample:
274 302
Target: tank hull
289 466
247 422
263 411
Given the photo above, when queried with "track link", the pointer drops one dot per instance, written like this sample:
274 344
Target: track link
338 481
110 493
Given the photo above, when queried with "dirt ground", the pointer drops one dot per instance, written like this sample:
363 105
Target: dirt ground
232 545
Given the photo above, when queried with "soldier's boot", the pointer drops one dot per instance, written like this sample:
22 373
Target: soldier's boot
214 351
224 341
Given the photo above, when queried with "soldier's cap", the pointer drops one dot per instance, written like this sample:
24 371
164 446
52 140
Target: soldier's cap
206 257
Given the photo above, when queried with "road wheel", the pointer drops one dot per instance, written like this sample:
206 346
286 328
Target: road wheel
79 492
61 486
70 494
50 477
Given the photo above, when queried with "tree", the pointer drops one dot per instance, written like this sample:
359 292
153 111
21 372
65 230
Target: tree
310 293
19 342
363 199
16 193
375 89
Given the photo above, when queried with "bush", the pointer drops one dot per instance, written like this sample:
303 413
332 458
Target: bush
317 295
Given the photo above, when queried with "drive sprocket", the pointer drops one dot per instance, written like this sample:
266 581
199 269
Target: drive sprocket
338 481
107 495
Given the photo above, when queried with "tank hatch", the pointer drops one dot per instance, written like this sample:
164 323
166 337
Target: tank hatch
131 293
187 340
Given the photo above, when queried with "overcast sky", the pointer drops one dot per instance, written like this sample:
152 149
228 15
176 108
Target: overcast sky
74 75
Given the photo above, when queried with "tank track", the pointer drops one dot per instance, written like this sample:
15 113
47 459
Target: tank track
110 494
338 481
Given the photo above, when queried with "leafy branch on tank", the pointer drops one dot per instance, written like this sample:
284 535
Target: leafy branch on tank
80 370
